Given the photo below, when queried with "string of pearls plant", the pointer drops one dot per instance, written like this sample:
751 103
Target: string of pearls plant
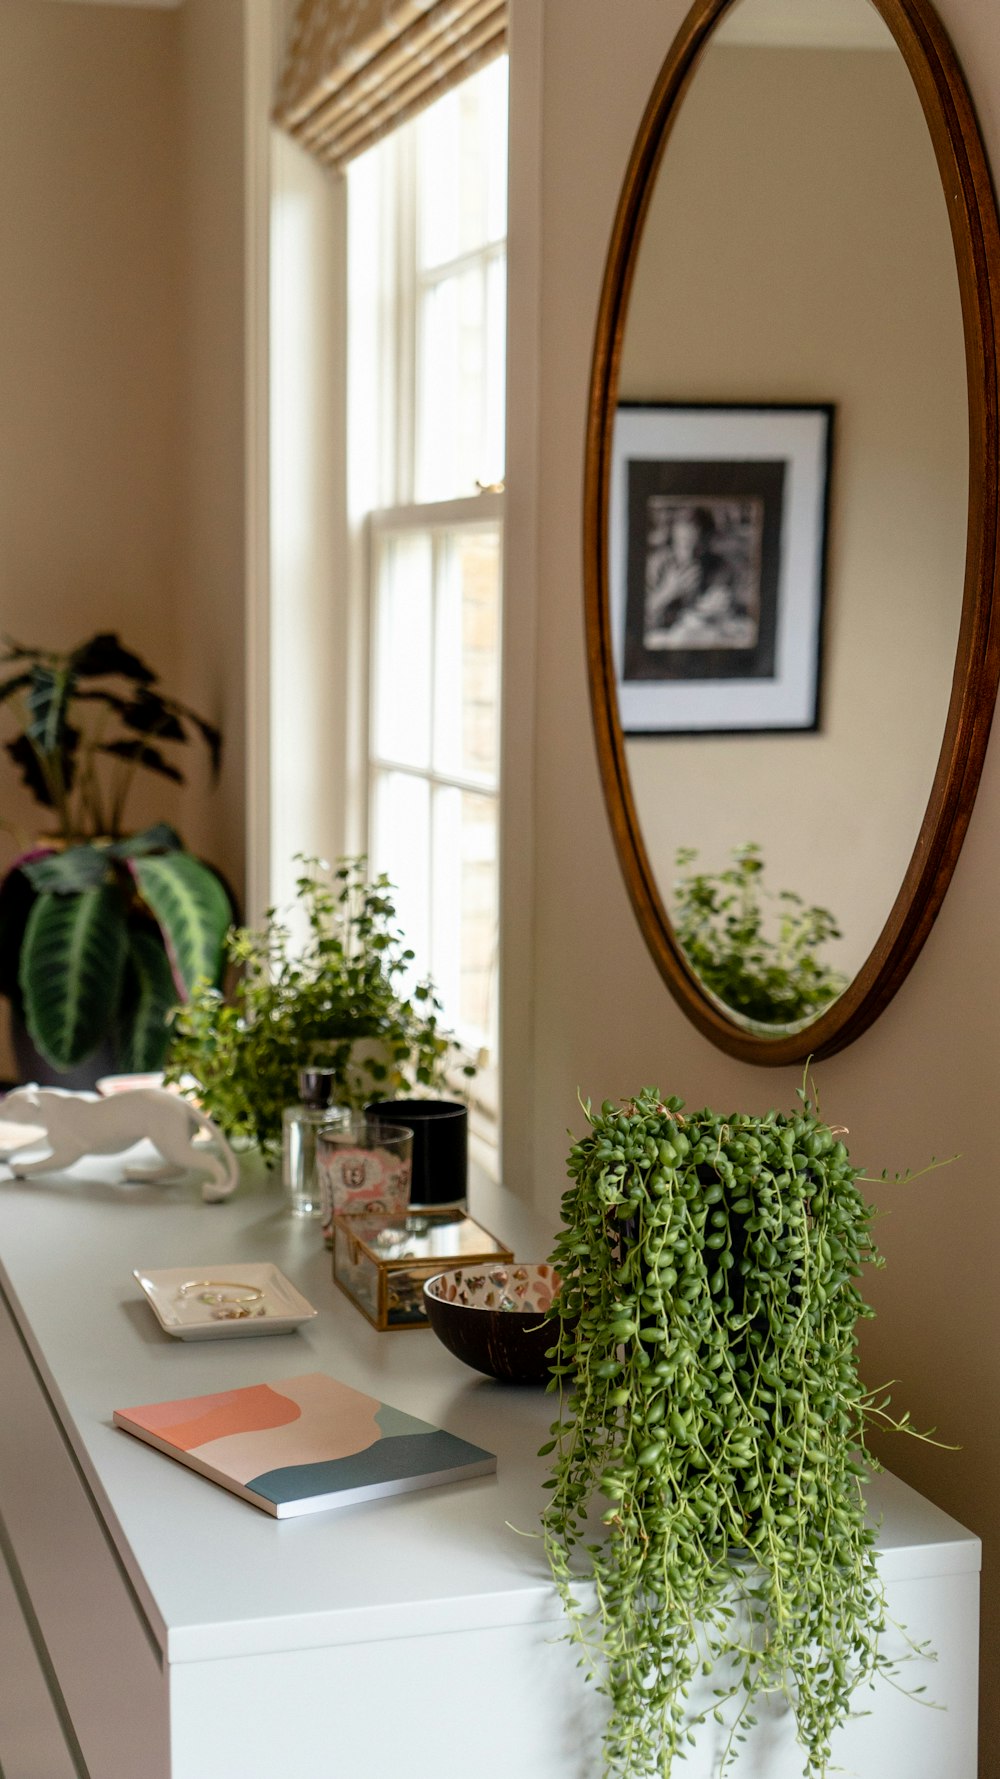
709 1393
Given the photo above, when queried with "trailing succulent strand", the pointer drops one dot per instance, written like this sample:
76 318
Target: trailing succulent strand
707 1367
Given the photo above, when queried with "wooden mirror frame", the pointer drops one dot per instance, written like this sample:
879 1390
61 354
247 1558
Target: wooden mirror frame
965 176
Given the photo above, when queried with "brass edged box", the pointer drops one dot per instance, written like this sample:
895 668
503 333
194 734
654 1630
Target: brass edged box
381 1259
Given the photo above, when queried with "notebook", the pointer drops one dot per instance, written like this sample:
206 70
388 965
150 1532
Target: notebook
304 1443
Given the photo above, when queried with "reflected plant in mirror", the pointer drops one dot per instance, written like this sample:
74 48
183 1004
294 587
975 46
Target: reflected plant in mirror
754 948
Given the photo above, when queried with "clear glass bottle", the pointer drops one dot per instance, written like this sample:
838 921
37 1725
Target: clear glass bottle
300 1126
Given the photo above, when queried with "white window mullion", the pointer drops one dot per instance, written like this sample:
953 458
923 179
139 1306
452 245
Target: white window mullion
440 550
466 512
488 252
476 787
446 910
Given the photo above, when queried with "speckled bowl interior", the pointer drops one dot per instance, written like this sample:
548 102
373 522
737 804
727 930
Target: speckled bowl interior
509 1287
491 1317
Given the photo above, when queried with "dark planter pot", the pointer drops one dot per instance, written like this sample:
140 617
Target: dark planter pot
31 1066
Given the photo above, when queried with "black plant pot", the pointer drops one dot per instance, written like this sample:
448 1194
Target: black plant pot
32 1066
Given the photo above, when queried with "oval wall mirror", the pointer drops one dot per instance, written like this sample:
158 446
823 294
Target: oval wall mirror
791 510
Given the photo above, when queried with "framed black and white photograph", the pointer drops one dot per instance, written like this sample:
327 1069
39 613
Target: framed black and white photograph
718 541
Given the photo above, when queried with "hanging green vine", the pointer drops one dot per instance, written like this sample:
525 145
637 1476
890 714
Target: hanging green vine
707 1364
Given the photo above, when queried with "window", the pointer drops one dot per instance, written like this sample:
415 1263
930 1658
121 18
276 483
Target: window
426 305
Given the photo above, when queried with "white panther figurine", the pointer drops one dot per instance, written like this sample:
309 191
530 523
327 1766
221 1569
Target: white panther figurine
78 1124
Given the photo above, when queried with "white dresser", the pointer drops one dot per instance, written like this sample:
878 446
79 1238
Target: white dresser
152 1624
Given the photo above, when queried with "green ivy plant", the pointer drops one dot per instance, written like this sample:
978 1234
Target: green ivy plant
299 1002
755 949
101 931
707 1363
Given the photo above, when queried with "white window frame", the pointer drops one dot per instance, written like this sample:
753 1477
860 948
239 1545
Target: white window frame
278 738
483 512
387 507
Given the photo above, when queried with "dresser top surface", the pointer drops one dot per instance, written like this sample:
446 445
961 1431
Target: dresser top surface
214 1575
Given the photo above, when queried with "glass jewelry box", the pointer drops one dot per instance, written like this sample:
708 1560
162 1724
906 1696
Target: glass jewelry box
381 1259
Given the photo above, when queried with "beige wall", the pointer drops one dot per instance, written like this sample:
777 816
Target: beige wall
121 363
90 337
120 503
922 1082
212 485
798 249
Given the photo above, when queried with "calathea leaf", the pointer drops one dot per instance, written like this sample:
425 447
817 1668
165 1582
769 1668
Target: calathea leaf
210 735
149 714
105 654
25 757
16 651
161 837
148 994
70 976
65 873
144 755
16 683
47 698
101 695
192 911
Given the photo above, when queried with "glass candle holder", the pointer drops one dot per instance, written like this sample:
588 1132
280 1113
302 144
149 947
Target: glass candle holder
363 1165
300 1128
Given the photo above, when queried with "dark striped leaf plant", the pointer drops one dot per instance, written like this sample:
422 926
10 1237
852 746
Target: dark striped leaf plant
711 1410
102 932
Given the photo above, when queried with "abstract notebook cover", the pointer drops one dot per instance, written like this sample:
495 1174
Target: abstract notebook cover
304 1443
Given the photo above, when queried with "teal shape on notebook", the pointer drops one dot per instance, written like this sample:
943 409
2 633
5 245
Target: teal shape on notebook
393 1421
396 1458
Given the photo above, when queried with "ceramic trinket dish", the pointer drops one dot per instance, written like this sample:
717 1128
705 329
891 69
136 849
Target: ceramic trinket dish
231 1298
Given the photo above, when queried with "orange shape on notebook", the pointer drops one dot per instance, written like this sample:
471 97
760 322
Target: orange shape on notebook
214 1417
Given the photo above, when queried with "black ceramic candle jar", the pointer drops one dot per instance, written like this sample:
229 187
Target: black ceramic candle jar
440 1146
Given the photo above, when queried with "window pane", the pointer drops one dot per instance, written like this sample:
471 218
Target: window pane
465 912
402 653
494 441
371 459
451 443
401 847
468 610
495 97
462 168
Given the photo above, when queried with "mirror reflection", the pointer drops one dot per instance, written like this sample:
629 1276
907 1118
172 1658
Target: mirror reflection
789 494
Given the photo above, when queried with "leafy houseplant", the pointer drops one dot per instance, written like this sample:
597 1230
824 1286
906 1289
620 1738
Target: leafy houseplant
311 1002
101 931
707 1363
721 923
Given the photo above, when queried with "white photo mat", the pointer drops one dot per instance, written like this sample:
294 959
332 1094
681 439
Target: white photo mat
799 437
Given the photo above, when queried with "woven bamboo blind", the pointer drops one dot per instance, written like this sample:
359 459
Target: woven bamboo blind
356 69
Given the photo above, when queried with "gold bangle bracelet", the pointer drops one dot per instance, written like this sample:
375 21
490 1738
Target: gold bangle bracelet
212 1290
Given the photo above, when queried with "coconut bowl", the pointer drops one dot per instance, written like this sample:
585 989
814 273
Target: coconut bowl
493 1318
